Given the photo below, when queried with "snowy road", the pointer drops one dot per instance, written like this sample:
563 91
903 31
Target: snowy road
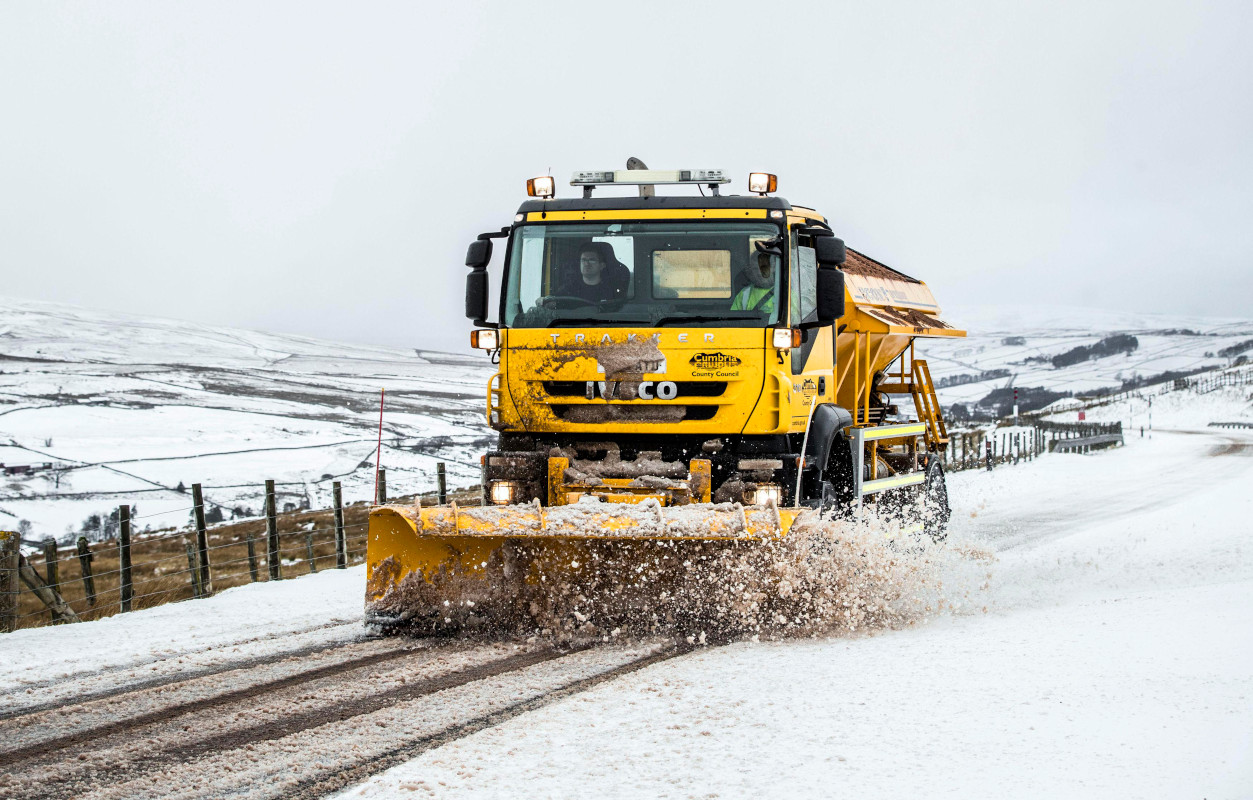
1108 653
1115 660
293 727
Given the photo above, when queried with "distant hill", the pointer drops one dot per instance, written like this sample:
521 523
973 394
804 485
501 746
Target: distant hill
1049 352
126 408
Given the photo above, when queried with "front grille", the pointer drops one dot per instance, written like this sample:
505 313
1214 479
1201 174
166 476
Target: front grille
686 388
600 413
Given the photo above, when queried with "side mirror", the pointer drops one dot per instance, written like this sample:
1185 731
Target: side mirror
477 258
830 292
476 295
479 254
830 251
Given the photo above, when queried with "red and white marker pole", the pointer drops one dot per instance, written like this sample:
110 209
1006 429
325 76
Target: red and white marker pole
378 453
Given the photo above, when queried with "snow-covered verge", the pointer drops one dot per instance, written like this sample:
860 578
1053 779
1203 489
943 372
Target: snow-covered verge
1115 659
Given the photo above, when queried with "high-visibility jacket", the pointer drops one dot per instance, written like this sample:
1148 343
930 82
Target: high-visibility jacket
750 299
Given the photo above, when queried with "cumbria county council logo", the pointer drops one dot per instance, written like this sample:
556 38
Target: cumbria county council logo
713 361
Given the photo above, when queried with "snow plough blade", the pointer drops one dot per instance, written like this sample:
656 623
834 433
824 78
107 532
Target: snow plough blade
427 566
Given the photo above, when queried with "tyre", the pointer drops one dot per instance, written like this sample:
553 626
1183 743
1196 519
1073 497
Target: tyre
935 508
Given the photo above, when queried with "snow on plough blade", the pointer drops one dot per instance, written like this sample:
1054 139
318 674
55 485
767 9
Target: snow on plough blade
449 568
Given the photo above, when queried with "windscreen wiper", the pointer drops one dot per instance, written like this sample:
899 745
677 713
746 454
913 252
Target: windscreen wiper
601 321
689 318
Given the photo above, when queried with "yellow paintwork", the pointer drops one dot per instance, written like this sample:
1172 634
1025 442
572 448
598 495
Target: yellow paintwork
646 213
531 357
405 540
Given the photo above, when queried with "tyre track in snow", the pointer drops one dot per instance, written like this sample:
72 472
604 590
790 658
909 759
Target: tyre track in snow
345 777
68 689
71 724
310 732
115 743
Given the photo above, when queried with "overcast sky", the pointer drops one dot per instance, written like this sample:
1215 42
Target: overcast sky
320 169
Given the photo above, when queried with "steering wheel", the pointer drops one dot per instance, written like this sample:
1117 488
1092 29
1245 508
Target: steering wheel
563 301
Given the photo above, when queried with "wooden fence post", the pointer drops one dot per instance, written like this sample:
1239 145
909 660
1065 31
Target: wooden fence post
271 533
124 556
202 541
10 550
252 557
341 546
441 484
193 570
51 599
381 499
313 566
52 572
84 562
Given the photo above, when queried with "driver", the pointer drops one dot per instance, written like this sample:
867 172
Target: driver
600 277
758 295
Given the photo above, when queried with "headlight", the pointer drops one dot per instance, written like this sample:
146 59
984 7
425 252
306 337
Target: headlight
783 338
485 340
502 492
766 493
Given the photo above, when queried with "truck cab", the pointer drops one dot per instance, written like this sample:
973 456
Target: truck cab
694 348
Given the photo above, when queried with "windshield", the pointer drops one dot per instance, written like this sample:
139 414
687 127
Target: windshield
645 273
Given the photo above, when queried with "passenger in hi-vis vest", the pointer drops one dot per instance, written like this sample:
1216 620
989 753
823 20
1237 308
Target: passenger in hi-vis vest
758 295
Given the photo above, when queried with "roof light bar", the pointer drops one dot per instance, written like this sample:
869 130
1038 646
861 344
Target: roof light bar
644 177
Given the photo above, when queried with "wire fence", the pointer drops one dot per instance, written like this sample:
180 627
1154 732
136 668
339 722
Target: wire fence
136 570
169 566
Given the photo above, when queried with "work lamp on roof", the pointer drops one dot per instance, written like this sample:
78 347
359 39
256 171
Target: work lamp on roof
762 182
540 187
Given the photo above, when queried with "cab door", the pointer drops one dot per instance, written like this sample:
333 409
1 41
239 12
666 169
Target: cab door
813 378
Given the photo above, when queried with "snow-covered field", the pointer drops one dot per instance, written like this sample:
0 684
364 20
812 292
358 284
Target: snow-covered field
1110 654
128 407
1006 337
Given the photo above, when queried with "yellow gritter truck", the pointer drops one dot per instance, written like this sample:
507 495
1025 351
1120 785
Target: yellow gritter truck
685 370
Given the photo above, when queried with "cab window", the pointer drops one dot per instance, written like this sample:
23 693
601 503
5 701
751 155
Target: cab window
804 300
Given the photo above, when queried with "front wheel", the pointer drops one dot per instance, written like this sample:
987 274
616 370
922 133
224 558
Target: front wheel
935 508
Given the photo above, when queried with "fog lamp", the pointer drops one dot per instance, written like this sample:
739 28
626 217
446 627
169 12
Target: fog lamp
762 182
485 340
502 492
540 187
765 493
